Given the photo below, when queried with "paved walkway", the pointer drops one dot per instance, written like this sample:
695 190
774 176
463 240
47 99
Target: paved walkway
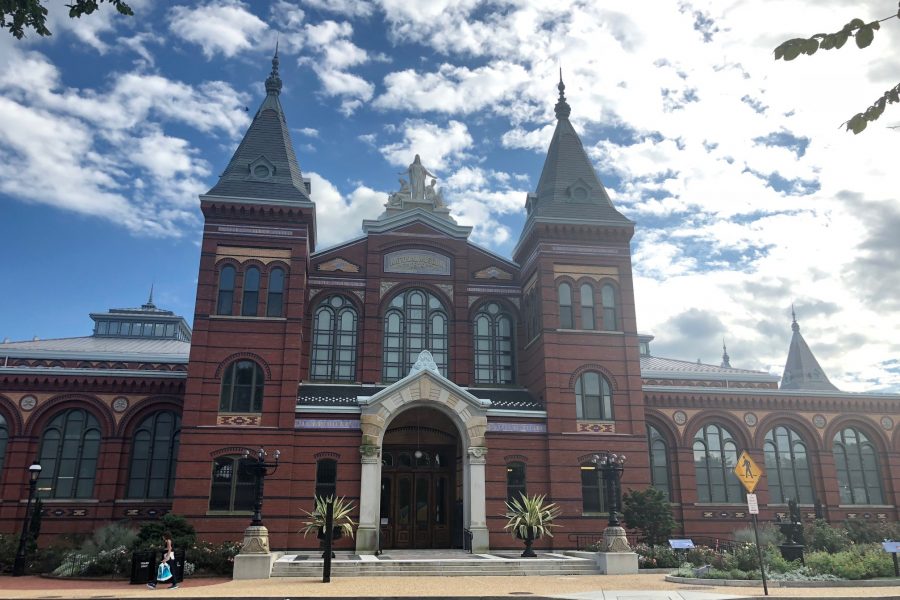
588 587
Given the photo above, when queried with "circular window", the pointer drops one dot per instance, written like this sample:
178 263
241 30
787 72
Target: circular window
337 301
261 171
579 193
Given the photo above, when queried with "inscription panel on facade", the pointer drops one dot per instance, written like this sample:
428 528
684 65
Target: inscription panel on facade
417 262
497 427
326 423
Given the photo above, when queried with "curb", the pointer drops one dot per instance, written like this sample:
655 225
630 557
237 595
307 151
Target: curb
785 584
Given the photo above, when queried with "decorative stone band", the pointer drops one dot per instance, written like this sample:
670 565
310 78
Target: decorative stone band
596 427
370 453
242 420
326 423
477 455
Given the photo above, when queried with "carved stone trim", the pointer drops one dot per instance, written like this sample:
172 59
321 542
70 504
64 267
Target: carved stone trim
493 272
338 264
473 300
360 294
370 453
386 286
256 540
447 288
477 454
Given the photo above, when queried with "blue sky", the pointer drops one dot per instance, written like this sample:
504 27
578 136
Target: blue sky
747 195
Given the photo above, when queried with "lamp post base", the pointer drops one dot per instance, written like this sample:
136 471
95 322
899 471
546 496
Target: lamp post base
614 540
255 560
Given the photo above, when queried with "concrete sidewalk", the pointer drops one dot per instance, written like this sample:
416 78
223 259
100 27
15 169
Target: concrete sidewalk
587 587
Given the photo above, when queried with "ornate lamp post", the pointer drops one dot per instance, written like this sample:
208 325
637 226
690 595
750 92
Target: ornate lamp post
34 472
612 466
260 468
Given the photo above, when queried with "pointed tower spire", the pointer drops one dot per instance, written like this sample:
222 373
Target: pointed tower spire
149 305
562 108
273 81
802 370
726 360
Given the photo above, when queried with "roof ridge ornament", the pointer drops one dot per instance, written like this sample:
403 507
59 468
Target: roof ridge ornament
273 81
149 305
425 362
794 325
726 360
562 108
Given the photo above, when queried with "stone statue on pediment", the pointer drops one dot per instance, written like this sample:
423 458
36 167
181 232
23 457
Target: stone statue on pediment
397 198
417 175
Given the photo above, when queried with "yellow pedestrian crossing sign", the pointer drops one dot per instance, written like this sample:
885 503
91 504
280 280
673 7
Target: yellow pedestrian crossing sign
748 472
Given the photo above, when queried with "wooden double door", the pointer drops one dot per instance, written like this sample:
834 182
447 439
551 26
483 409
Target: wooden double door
418 492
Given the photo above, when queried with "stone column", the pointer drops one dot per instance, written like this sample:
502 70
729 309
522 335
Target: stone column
369 500
477 521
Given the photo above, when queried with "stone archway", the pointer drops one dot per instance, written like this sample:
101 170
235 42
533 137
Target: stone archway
423 387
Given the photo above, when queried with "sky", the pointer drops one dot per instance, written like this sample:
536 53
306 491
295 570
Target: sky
748 195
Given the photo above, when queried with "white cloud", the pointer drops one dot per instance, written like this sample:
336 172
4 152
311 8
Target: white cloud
225 27
438 146
347 8
336 217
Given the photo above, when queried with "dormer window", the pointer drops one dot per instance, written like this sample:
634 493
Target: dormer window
579 191
261 172
261 169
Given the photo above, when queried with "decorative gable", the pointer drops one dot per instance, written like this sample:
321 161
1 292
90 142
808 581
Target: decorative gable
261 169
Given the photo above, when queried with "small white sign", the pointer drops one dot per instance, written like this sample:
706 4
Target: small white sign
752 504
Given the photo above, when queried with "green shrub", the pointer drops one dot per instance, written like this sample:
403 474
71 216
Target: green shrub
700 555
743 557
867 532
110 536
150 536
769 535
862 562
649 512
775 563
657 557
215 559
9 544
819 535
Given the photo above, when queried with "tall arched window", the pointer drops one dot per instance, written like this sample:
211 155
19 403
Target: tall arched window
587 306
415 320
608 298
242 387
593 398
515 481
153 454
70 446
493 345
4 438
659 460
715 456
593 500
225 298
233 486
787 466
334 341
857 468
250 300
275 294
326 477
566 321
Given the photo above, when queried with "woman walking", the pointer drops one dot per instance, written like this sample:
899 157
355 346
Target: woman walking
164 572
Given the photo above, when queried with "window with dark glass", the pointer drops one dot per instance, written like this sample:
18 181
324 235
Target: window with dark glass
275 294
531 313
587 306
608 298
334 341
233 485
415 320
715 456
787 466
659 460
566 320
493 345
225 298
326 477
515 481
4 438
242 387
593 397
70 446
593 498
251 292
153 453
857 468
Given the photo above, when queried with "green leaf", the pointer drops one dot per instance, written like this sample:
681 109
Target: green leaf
857 124
864 36
840 38
854 24
792 51
828 42
810 46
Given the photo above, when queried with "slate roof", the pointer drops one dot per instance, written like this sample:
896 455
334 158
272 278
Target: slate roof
101 348
345 395
651 364
801 369
268 139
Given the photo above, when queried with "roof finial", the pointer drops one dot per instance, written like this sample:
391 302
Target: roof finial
273 81
149 305
726 360
794 325
562 108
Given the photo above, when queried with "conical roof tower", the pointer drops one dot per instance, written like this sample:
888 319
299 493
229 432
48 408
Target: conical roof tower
802 370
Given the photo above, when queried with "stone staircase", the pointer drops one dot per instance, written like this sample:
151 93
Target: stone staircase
422 563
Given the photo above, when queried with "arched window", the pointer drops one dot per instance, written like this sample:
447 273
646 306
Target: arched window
415 320
225 298
787 466
334 341
593 398
153 453
4 438
242 387
493 345
593 499
251 292
566 321
275 297
531 311
659 460
608 298
233 485
70 446
326 477
857 468
515 480
715 456
587 306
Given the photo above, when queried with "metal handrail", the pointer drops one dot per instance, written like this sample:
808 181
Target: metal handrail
467 540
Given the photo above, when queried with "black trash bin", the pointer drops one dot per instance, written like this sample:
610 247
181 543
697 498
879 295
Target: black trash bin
143 567
177 565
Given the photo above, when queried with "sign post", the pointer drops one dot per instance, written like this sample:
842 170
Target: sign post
893 548
749 474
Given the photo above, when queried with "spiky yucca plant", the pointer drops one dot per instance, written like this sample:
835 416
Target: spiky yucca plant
342 510
530 511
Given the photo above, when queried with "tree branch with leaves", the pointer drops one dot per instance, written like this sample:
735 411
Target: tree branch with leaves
19 15
863 34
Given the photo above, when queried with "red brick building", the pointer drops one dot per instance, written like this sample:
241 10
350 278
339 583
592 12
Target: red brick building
534 365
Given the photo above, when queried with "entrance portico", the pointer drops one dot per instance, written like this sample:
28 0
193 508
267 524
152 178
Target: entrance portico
423 387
